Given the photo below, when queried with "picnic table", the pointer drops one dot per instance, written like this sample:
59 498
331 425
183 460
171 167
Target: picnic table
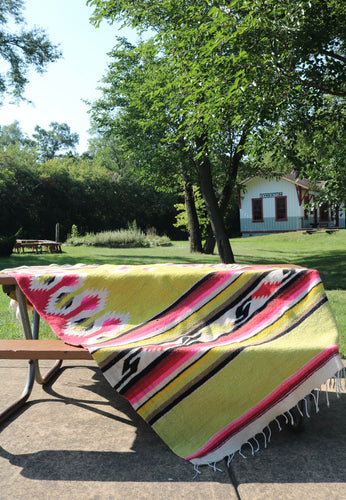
37 246
211 356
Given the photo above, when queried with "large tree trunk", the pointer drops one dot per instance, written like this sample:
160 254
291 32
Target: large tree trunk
194 228
210 242
215 216
228 189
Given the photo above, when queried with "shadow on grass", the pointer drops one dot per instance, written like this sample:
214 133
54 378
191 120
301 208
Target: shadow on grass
331 266
100 258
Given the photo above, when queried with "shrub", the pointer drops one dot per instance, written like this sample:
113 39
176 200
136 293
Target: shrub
74 231
6 245
152 239
128 238
123 238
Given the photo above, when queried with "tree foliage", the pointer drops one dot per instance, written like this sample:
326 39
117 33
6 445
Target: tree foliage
140 108
36 195
58 138
21 49
311 139
236 68
13 134
321 150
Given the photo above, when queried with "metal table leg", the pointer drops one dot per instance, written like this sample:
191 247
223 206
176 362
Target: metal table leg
35 333
12 408
33 365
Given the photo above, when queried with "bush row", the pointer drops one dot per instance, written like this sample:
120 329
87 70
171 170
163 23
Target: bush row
123 238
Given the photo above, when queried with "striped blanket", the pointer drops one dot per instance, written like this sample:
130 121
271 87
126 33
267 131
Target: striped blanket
208 355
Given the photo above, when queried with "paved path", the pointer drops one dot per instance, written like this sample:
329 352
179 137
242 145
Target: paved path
70 442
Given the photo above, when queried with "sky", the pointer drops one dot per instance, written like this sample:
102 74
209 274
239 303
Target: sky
57 95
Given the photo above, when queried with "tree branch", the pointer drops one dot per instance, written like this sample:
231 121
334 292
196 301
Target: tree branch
333 55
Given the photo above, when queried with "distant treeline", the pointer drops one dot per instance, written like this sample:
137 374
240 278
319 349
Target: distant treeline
72 191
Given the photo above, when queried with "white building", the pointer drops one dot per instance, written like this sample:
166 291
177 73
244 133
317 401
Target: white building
278 205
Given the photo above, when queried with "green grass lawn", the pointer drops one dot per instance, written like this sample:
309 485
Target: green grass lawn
321 251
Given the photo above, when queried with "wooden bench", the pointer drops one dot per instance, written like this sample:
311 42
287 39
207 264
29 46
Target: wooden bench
33 349
40 349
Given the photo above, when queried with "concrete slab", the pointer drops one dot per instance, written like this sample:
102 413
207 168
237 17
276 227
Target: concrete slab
78 439
308 464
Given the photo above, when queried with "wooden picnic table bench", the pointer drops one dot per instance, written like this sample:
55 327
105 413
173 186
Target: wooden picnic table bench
40 349
37 246
33 349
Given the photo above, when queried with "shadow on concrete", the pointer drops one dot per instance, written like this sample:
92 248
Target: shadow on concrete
316 455
148 459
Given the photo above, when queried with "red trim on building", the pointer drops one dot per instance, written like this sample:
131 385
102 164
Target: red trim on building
302 194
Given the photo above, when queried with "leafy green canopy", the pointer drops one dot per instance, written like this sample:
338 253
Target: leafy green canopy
312 138
237 66
238 61
300 43
58 138
13 134
21 49
70 190
144 114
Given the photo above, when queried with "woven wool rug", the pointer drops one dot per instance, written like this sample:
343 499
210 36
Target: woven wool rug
208 355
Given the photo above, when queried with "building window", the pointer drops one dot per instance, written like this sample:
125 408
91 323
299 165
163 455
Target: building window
257 210
281 208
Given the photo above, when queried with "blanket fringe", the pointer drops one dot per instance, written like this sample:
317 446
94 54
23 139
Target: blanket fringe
197 471
303 408
213 466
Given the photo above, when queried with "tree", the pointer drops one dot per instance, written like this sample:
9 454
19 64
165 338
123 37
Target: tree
136 138
13 134
310 139
321 151
18 190
235 66
151 129
302 42
20 51
58 138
